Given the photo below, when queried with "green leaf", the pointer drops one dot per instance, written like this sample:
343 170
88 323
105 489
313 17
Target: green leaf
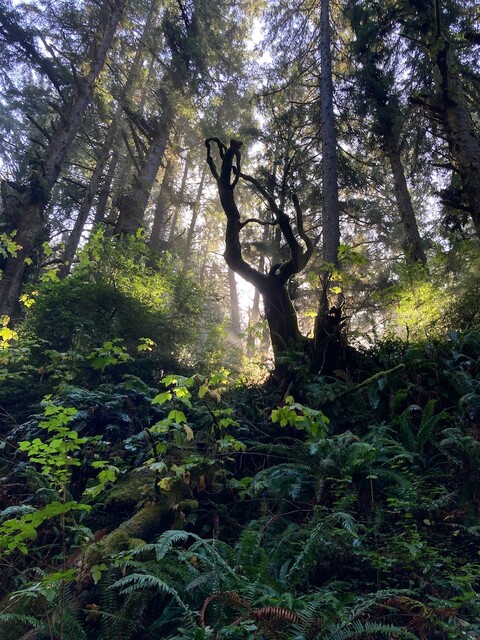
96 571
177 416
161 398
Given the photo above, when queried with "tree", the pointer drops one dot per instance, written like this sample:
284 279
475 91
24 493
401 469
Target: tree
133 77
379 102
25 201
331 207
440 30
280 313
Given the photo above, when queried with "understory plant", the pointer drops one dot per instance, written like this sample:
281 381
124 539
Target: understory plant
337 510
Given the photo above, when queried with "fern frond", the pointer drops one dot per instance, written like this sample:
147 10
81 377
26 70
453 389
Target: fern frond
73 629
228 598
199 581
22 619
168 539
347 521
208 551
140 581
378 597
274 615
428 425
363 630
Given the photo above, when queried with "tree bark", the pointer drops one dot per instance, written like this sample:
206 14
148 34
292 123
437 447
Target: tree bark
327 345
106 187
234 306
463 138
179 201
69 124
331 207
132 205
414 252
279 311
164 200
26 204
450 107
108 144
91 191
255 310
193 221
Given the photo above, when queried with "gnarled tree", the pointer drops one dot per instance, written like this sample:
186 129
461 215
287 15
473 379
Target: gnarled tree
279 311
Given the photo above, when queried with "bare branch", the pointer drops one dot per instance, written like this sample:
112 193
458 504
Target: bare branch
265 223
301 231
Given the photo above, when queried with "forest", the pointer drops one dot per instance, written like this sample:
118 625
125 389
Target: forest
240 319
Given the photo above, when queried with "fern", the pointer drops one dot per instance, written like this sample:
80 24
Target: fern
357 629
110 621
123 625
318 536
284 480
138 581
429 422
168 539
72 626
18 617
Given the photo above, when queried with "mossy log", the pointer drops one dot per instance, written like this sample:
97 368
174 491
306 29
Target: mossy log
151 520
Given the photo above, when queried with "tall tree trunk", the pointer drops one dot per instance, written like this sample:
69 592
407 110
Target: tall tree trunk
234 306
255 310
26 204
133 204
165 196
414 252
69 124
463 138
87 202
164 200
193 221
106 150
179 202
449 106
326 341
106 187
331 207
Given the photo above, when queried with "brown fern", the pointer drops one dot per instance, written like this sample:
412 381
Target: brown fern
275 615
270 619
228 598
420 615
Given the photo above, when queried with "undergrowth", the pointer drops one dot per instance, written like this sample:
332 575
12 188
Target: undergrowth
347 510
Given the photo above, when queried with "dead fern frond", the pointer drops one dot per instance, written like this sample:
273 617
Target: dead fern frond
270 619
228 598
274 615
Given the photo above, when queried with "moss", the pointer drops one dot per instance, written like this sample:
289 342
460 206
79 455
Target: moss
129 490
144 524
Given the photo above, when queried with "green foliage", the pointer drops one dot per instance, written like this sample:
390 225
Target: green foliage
8 246
54 455
429 304
109 354
6 334
16 533
303 418
199 396
352 513
115 282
